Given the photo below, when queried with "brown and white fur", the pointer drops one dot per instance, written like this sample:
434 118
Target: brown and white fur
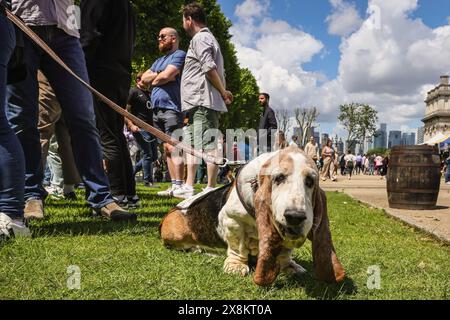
288 208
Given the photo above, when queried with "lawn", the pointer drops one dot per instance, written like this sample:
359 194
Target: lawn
128 261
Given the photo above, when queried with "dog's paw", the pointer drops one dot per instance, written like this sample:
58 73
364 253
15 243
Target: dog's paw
294 269
236 267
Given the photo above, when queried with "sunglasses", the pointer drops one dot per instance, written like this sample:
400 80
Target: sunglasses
162 37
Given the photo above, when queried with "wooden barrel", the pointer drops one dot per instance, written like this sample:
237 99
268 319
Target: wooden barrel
413 178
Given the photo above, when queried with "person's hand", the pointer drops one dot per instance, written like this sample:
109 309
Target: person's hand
134 129
144 85
227 96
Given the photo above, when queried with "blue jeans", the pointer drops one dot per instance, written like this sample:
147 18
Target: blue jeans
77 105
147 143
12 163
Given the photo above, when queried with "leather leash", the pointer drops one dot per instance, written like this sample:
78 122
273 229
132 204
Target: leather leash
141 124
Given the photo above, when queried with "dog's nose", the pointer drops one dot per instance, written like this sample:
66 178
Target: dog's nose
294 217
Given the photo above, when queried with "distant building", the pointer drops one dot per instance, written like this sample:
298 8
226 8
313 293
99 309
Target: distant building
408 139
437 114
412 139
324 138
317 136
340 146
395 139
380 137
420 135
297 131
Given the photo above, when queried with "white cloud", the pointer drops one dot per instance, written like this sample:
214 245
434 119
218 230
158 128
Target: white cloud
297 46
390 62
392 67
275 51
344 20
250 9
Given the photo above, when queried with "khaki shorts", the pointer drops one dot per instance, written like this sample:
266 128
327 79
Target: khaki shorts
202 119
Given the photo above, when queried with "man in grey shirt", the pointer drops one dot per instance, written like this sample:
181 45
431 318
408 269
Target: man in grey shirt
203 93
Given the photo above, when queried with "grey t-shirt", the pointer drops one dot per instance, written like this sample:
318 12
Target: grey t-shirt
204 54
61 13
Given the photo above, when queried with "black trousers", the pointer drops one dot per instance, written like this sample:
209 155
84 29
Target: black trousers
110 124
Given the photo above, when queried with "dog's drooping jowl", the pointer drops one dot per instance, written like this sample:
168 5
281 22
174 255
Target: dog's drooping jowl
272 207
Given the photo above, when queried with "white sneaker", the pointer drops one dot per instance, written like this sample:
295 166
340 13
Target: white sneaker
184 192
13 227
447 182
207 189
55 192
168 192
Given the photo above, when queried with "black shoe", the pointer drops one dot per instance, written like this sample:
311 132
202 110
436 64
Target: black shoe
114 212
150 185
133 202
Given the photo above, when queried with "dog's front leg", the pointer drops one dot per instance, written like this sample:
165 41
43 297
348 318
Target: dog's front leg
237 252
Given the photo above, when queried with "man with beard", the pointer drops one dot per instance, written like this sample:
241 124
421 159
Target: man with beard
165 77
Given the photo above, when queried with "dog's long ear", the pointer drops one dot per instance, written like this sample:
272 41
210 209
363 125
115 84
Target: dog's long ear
270 241
327 267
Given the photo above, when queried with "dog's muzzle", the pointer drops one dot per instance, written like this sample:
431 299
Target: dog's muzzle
294 220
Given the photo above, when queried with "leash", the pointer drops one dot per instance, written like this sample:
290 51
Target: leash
141 124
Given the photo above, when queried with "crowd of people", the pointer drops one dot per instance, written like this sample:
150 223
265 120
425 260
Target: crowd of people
50 121
330 162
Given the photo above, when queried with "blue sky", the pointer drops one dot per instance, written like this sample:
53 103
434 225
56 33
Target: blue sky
310 16
325 53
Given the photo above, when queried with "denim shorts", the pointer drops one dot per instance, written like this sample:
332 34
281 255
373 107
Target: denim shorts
167 120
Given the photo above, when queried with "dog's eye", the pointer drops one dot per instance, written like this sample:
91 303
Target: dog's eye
279 179
309 182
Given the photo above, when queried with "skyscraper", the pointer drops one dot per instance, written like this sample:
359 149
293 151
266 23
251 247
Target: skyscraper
380 137
395 139
420 135
324 139
408 139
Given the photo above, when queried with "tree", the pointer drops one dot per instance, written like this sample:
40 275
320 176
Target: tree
152 15
283 120
305 118
246 111
359 120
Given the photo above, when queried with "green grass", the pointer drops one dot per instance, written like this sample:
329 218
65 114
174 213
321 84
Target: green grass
122 261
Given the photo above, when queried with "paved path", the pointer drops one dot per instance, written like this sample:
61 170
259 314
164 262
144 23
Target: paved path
372 191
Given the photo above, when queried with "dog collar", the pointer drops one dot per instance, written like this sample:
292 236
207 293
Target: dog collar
254 185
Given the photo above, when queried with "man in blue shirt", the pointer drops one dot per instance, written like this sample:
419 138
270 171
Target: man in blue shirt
165 77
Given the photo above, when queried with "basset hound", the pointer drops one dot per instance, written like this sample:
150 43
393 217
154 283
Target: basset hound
272 207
